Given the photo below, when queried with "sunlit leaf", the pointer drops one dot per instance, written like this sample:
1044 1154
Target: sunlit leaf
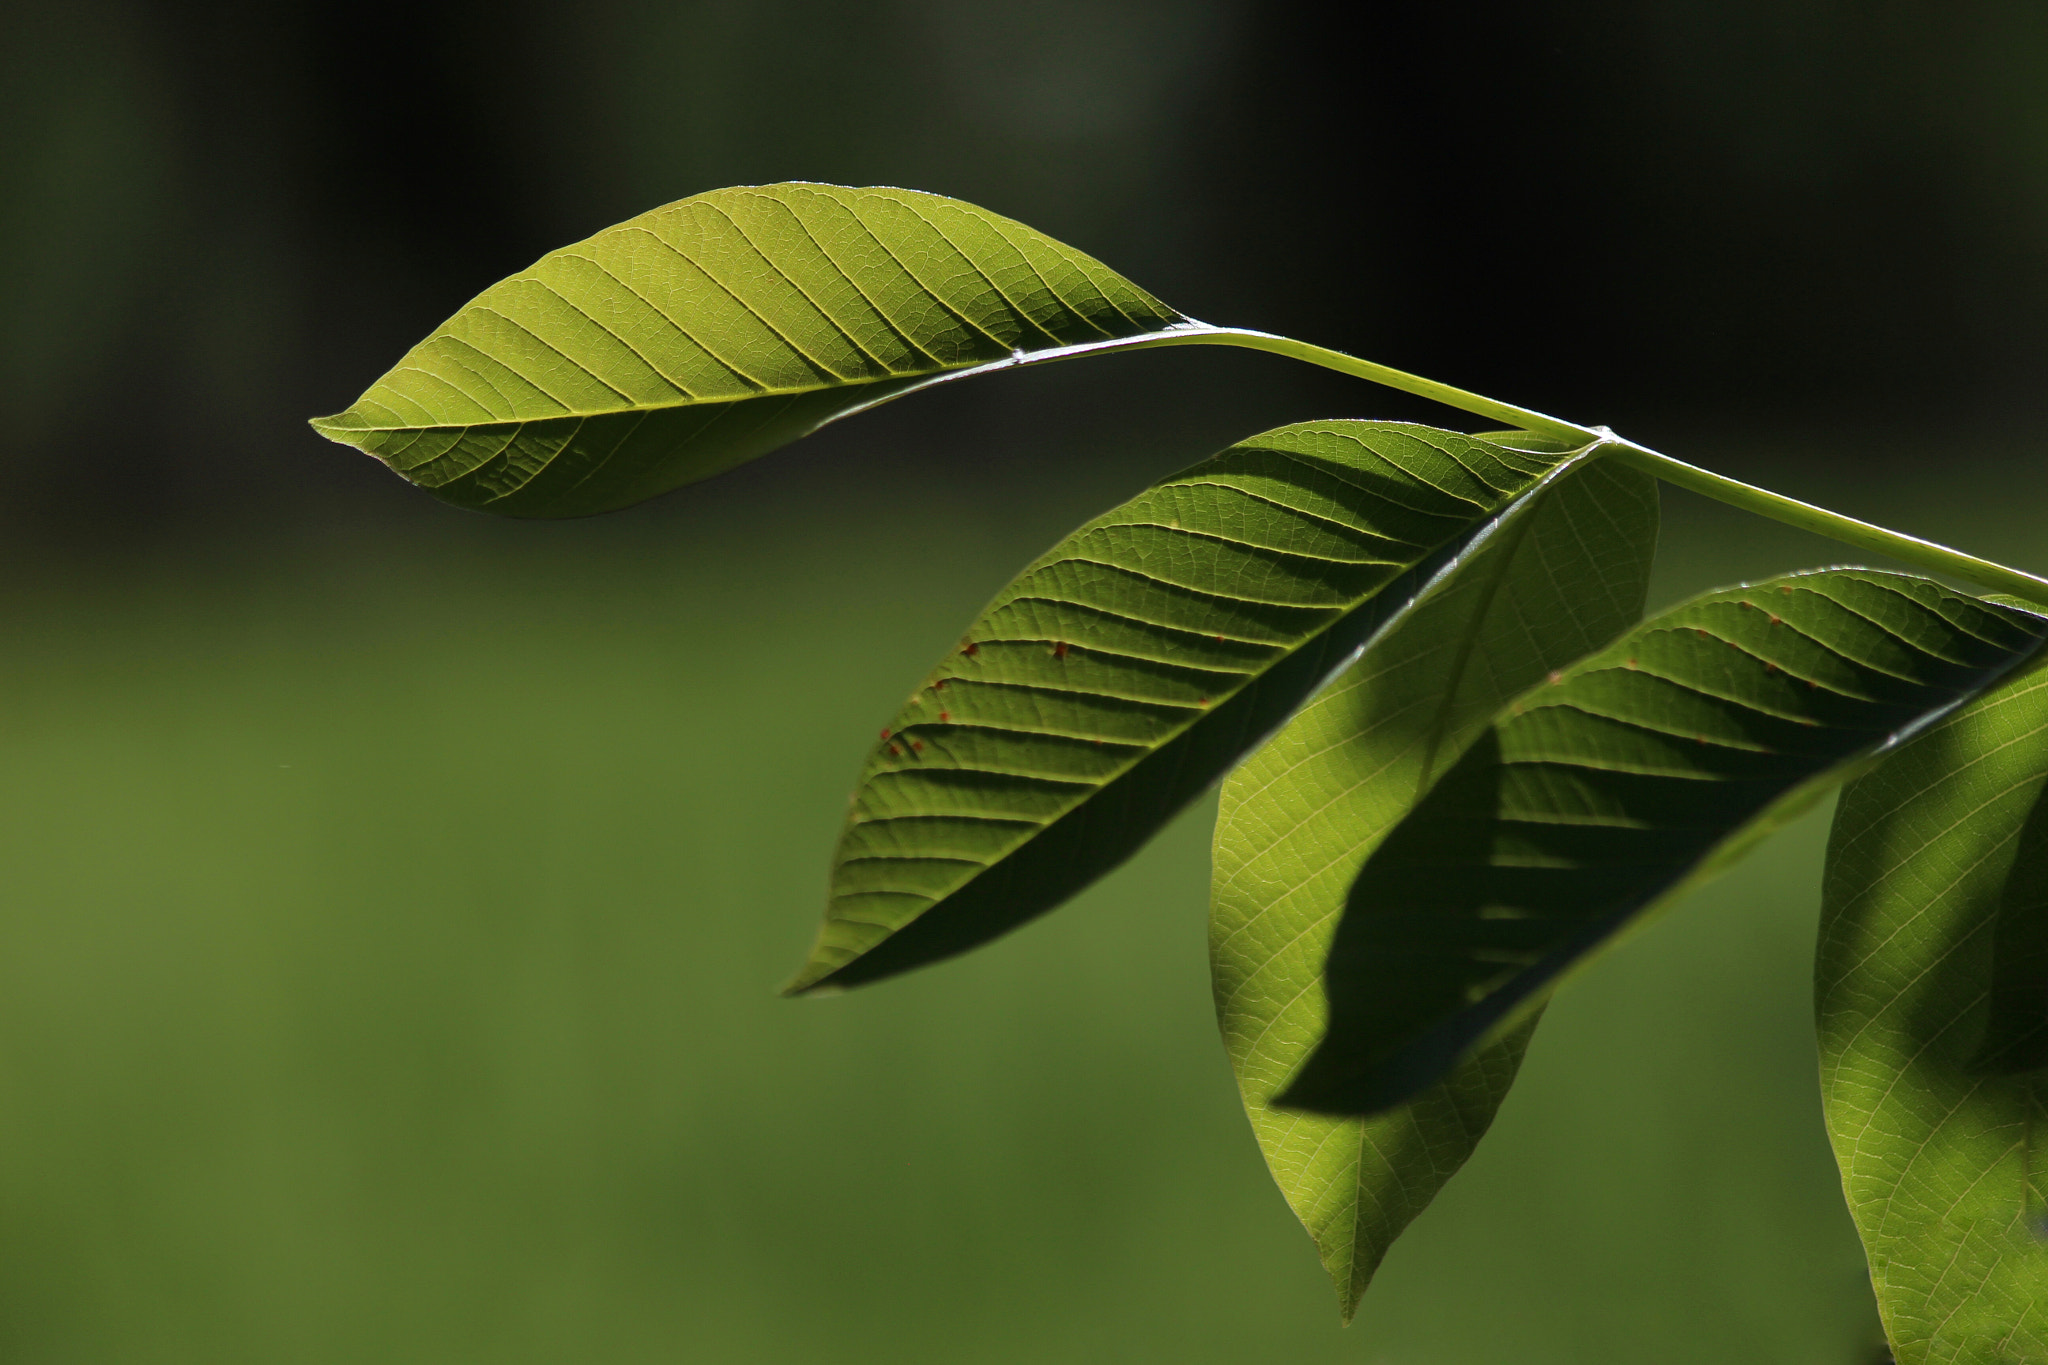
710 331
1135 663
1602 792
1564 574
1932 996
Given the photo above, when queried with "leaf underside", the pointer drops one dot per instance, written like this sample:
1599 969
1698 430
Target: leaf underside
1131 666
1599 795
707 332
1931 988
1566 575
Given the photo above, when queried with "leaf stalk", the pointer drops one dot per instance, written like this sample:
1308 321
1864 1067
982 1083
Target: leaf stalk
1526 418
1924 554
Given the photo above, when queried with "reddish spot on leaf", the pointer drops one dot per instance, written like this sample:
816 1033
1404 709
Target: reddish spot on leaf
1631 661
1201 701
945 716
895 752
970 649
1219 639
1777 620
917 745
1059 650
939 686
886 732
1785 588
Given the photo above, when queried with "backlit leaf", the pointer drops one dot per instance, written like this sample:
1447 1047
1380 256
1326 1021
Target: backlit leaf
707 332
1932 997
1600 794
1564 574
1134 664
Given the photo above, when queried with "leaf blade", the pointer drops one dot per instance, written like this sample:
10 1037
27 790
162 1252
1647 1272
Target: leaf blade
704 333
1929 1003
1598 797
1133 664
1299 818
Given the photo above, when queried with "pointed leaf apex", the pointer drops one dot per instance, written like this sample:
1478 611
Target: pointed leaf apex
810 980
343 428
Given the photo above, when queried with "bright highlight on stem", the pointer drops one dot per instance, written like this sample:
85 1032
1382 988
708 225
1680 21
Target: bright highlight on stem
1924 554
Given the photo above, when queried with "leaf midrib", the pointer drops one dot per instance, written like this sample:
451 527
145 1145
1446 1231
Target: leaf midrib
1168 335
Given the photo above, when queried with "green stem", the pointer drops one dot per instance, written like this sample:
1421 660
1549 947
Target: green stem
1523 418
1924 554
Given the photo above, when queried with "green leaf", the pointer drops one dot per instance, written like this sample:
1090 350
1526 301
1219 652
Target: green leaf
702 334
1931 989
1132 665
1602 793
1564 574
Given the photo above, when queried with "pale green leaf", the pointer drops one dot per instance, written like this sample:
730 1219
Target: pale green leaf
1563 575
1134 664
1932 997
1600 794
712 330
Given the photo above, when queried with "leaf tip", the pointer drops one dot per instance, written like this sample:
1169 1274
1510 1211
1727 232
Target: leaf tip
342 429
810 980
819 974
1349 1274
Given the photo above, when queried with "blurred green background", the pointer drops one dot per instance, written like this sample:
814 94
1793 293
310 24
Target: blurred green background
396 897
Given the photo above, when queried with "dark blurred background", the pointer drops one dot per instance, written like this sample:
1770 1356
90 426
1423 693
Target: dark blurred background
1731 216
395 893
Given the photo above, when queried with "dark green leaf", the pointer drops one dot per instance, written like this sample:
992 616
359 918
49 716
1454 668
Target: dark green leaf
1564 574
1932 994
1132 665
1600 794
702 334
